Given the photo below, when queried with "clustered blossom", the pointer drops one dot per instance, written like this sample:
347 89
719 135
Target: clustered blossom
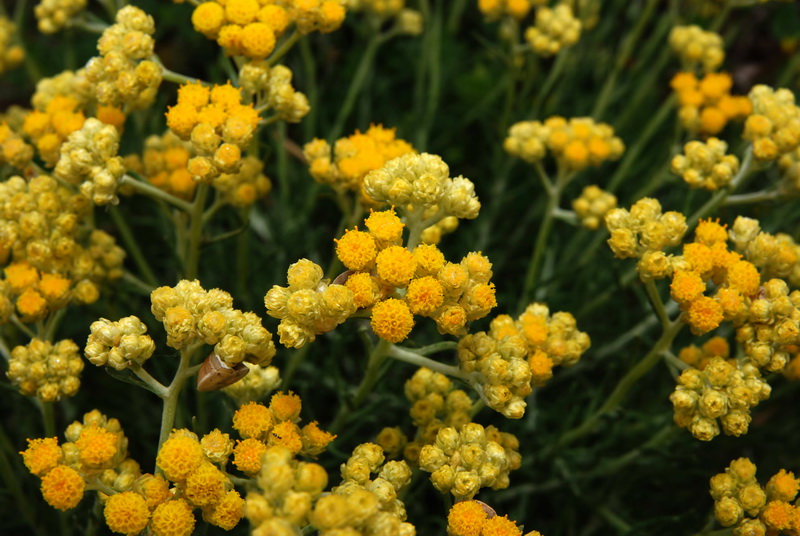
95 451
555 30
53 15
774 125
256 385
352 157
707 105
697 47
361 504
191 314
10 55
421 188
706 165
89 159
46 370
575 143
407 21
774 255
463 461
378 266
287 488
192 465
742 503
263 427
496 9
49 125
119 344
14 151
699 357
124 74
272 89
593 205
517 355
49 261
720 394
163 163
474 518
219 126
250 28
246 186
644 232
309 305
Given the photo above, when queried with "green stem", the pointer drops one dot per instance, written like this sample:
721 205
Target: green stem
156 193
132 247
195 232
549 82
356 84
140 285
22 327
535 265
655 301
52 322
622 59
751 198
284 47
419 360
172 395
48 418
157 387
436 348
623 386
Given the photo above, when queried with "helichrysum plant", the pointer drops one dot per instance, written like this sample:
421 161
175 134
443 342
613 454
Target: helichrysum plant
399 267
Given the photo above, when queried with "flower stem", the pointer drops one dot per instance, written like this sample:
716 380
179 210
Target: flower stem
419 360
285 47
172 394
621 390
195 232
655 301
132 246
156 193
48 418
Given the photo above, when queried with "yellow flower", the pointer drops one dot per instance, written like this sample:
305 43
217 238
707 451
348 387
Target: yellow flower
172 518
704 315
253 420
208 18
744 277
247 455
710 232
126 513
285 406
500 526
154 489
364 288
42 455
315 439
20 276
96 446
424 295
31 305
287 434
356 249
783 486
227 512
385 226
258 40
206 485
63 487
429 260
392 320
466 518
686 286
179 456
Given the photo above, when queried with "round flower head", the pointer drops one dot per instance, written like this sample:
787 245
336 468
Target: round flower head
385 226
356 249
227 513
253 420
466 518
42 455
63 487
247 455
173 518
179 456
126 513
285 406
392 320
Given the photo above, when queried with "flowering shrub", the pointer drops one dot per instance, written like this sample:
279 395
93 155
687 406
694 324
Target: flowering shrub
398 267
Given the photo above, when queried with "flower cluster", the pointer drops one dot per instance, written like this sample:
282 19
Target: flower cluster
699 356
191 314
576 143
250 27
192 466
352 157
407 21
49 125
497 9
774 255
435 404
555 29
163 164
593 205
789 165
52 15
123 73
363 505
218 124
696 47
720 394
52 262
246 186
421 187
89 158
45 370
517 355
309 305
451 294
272 87
10 55
474 518
463 461
774 125
287 490
707 105
119 344
644 232
706 165
95 452
740 502
262 427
